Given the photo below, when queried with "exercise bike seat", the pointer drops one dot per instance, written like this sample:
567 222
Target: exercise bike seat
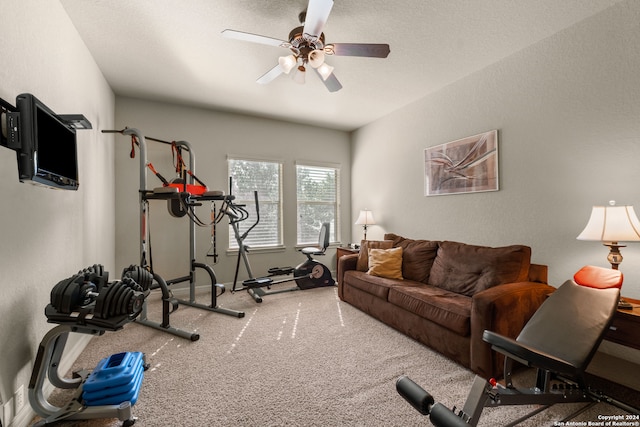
564 333
312 250
323 242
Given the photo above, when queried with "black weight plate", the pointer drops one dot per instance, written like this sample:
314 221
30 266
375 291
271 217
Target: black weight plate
58 291
101 302
119 306
113 305
136 302
99 269
127 301
106 302
113 298
70 293
97 310
70 296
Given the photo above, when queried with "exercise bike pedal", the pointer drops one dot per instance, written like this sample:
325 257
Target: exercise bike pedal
280 271
257 282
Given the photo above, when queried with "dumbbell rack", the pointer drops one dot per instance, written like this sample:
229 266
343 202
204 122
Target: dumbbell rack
46 367
87 303
170 303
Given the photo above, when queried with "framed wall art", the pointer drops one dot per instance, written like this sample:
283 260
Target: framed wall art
468 165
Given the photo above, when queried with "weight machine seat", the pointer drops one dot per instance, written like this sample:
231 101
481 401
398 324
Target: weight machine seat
323 242
564 333
598 277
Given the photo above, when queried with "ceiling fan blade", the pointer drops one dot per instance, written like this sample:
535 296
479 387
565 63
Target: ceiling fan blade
316 16
254 38
332 83
270 75
370 50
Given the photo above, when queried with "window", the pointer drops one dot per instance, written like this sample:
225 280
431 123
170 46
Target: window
264 177
318 201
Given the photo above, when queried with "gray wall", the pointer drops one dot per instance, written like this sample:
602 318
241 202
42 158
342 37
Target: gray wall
568 114
48 235
214 136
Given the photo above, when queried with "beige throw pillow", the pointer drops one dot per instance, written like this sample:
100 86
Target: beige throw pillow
365 245
386 263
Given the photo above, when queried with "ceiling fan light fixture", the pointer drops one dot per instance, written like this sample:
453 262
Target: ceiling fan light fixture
316 58
287 63
325 71
299 76
307 46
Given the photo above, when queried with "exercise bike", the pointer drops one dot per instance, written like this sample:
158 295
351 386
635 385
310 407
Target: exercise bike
307 275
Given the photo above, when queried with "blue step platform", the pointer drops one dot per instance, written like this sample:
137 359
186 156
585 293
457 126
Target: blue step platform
116 379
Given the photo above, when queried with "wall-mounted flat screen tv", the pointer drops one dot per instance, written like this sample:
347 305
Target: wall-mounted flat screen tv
47 153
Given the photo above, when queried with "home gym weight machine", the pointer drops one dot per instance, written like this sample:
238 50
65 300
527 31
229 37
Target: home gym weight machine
181 196
307 275
87 303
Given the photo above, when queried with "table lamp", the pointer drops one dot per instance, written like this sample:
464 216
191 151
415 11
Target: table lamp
365 219
611 225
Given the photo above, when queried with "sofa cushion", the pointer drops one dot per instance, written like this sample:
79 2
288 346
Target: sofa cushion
417 256
385 263
374 285
365 245
468 269
448 309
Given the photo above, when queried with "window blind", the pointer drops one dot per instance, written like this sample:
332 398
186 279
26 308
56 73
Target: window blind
265 177
317 191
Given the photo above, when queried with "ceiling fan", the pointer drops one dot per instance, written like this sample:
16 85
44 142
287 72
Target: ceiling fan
308 48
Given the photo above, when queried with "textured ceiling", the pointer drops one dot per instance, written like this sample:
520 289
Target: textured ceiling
173 51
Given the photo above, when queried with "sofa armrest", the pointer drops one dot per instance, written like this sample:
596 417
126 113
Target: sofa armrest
538 273
345 263
503 309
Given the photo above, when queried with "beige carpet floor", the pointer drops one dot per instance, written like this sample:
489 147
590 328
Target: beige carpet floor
297 359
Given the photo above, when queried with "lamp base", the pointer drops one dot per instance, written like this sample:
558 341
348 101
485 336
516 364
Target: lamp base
614 257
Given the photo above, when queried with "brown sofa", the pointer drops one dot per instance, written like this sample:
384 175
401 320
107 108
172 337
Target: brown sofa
448 293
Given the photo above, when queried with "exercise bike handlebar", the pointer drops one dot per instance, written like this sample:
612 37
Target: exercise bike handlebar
245 215
238 213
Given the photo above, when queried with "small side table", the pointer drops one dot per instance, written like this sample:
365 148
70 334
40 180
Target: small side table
625 331
625 328
345 250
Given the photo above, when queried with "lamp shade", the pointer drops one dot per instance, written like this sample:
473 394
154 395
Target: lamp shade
612 224
325 71
365 218
316 58
299 76
287 63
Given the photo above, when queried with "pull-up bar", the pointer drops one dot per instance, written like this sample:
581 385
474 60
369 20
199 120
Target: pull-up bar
146 137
